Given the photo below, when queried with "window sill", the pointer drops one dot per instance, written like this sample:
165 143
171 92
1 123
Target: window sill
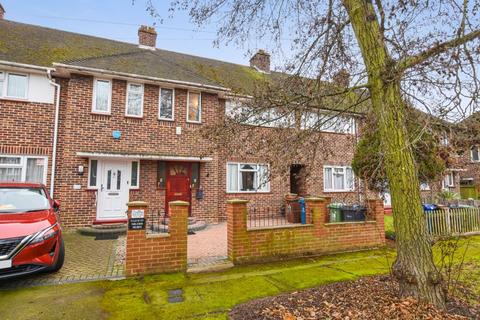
249 192
194 122
165 119
134 117
96 113
15 99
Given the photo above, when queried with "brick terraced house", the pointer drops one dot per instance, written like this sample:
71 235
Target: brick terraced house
103 122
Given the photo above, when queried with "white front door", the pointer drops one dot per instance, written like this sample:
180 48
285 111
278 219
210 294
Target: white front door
113 190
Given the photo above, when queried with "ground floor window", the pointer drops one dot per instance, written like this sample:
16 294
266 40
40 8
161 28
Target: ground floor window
23 168
338 179
448 181
247 177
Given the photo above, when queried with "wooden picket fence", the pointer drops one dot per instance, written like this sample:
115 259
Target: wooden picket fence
449 222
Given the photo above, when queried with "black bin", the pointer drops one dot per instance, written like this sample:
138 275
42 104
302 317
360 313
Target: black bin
354 213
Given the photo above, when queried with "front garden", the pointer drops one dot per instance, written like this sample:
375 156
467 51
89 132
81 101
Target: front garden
204 296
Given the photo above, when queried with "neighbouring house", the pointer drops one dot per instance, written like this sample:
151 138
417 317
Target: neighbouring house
103 122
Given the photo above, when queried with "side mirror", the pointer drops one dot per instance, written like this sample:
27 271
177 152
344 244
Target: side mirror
56 205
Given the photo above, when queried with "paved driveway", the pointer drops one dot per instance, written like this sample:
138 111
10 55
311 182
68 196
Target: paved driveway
85 259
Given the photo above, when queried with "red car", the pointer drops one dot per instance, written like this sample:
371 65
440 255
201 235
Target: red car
30 234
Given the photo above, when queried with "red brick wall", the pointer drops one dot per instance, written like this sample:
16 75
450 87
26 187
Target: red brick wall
82 131
162 252
26 128
301 240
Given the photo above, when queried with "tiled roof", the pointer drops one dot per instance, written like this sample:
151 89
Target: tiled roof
29 44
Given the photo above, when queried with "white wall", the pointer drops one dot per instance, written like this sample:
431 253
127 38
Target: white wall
40 90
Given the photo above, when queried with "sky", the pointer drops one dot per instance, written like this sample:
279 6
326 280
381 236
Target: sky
120 19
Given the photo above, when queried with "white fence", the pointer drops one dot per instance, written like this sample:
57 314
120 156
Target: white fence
458 221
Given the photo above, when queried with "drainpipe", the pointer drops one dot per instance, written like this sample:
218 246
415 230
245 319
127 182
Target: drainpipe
55 131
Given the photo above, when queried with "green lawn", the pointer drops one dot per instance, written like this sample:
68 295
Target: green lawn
207 296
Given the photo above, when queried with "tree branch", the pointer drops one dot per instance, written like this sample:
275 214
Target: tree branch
412 61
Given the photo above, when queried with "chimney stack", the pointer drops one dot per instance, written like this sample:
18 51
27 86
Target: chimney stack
342 78
2 12
147 37
261 61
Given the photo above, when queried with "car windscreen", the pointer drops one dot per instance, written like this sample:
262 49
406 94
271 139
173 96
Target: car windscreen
18 200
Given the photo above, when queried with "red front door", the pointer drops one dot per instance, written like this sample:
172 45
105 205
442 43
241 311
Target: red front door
178 183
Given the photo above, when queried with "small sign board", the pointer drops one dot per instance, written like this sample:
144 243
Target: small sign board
138 213
136 224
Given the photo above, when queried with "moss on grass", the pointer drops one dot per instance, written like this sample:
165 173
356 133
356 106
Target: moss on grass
207 296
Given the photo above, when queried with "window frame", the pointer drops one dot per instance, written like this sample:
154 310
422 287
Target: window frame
127 96
471 154
23 165
451 181
94 97
4 92
199 107
425 186
238 164
89 186
3 81
160 104
345 181
305 126
131 187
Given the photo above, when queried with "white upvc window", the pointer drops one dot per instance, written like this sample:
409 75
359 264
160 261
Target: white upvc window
338 179
448 181
93 171
135 174
166 104
475 154
247 177
102 96
2 83
134 104
424 186
327 122
18 168
14 85
194 107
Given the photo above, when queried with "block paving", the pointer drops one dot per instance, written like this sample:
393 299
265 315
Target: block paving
86 259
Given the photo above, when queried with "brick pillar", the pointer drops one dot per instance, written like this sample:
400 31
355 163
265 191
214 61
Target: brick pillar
134 237
236 227
316 209
376 211
178 229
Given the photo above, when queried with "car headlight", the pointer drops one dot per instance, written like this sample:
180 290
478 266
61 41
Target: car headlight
45 234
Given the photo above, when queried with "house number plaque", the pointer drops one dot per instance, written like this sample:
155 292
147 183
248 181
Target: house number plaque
137 220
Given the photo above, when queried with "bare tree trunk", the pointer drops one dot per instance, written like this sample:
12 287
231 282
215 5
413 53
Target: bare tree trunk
414 266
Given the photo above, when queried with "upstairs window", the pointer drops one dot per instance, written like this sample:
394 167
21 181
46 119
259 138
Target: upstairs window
102 96
2 81
247 177
17 85
475 154
194 107
338 179
166 105
134 100
328 122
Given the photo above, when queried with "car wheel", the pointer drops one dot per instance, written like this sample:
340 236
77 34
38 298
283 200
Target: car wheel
61 257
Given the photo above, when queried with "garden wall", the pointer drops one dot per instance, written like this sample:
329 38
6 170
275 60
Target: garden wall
158 252
272 243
